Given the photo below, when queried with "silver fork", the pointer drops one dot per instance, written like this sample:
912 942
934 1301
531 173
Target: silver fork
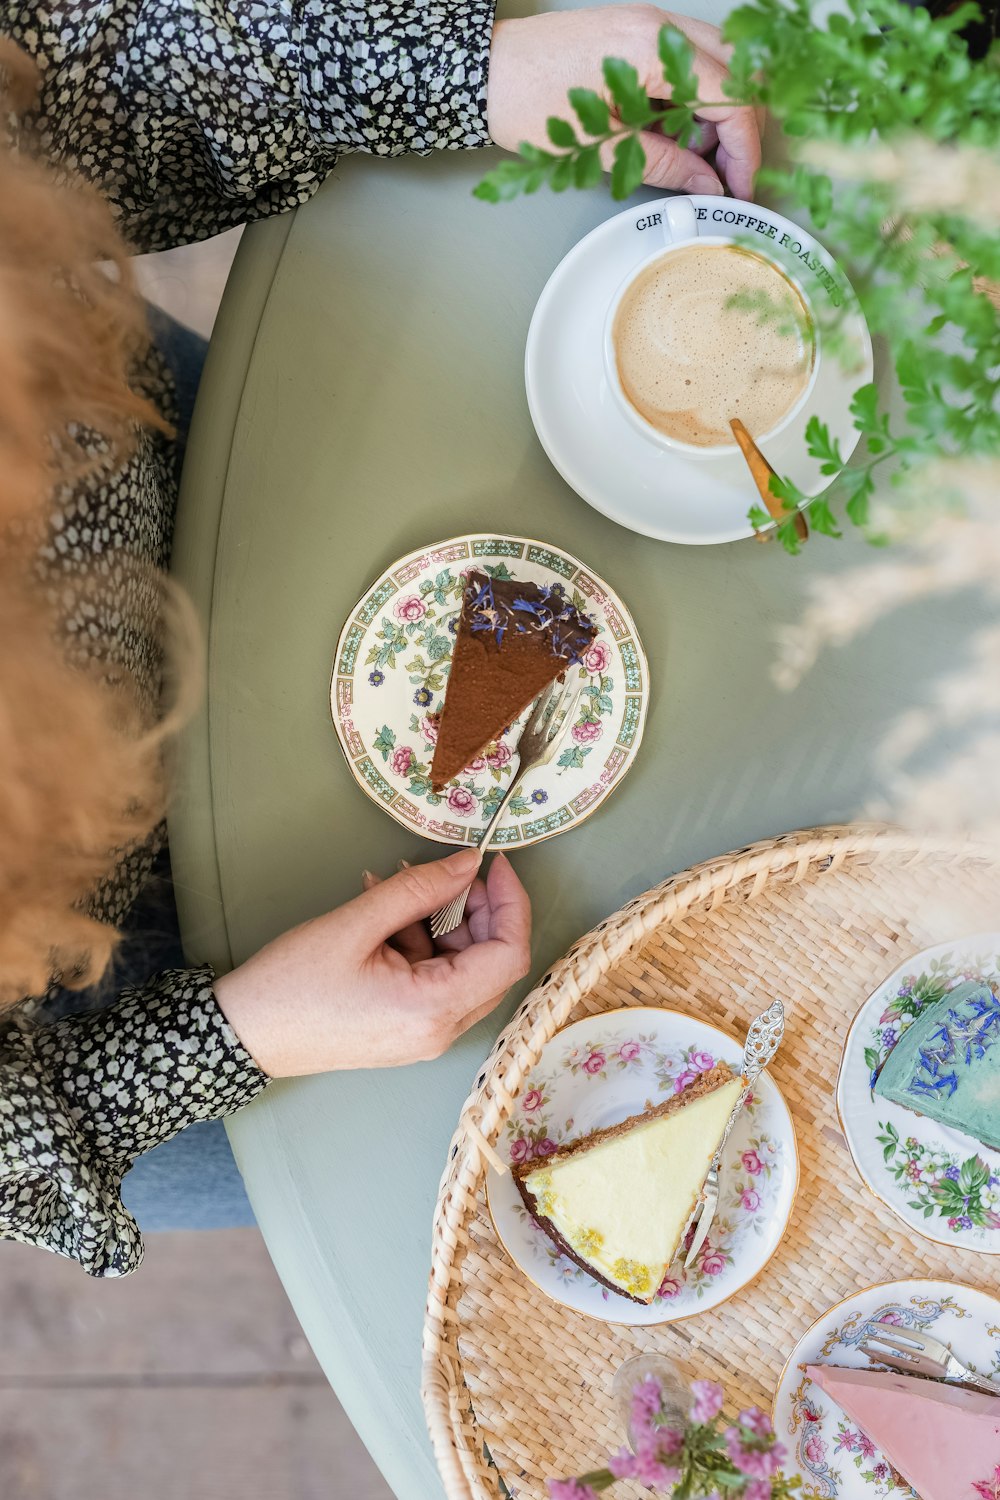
914 1353
763 1040
538 743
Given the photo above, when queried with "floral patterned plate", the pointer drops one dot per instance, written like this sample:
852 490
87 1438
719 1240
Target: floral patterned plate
942 1183
834 1459
598 1071
389 681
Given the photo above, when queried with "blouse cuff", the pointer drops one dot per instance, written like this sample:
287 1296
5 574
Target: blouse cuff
80 1100
391 76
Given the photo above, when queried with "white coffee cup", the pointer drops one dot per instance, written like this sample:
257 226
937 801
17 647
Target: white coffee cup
680 231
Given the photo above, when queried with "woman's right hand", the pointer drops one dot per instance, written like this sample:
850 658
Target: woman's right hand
365 987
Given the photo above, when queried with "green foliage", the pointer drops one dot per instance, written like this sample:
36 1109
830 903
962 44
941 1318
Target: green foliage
875 71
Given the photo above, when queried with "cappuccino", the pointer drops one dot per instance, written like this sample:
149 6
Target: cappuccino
709 332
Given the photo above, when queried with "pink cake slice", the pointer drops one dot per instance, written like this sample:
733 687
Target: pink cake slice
942 1438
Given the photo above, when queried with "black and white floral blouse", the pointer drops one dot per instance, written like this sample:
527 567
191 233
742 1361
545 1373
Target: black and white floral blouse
191 117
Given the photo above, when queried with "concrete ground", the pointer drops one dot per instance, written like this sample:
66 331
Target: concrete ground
189 1380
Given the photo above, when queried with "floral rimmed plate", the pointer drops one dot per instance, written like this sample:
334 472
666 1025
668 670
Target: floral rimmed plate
941 1182
595 1073
388 688
835 1460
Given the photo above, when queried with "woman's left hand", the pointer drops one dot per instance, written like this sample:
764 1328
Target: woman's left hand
535 61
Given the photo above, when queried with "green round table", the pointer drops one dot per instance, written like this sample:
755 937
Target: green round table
363 396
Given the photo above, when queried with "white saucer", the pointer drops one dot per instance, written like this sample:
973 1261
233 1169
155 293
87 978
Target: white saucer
590 441
600 1070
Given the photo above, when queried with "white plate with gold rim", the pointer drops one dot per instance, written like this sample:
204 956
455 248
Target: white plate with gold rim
833 1458
389 677
939 1181
596 1072
590 440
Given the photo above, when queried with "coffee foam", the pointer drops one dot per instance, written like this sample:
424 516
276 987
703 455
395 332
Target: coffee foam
688 361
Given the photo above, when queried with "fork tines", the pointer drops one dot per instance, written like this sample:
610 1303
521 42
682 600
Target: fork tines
910 1353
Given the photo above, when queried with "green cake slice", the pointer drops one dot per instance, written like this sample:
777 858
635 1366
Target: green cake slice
946 1064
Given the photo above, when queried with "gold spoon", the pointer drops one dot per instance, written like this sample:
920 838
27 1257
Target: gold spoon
762 472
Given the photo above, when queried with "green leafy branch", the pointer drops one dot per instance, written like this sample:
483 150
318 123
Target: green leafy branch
875 72
577 162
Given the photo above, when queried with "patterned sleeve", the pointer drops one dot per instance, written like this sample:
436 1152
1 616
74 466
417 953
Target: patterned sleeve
192 116
81 1099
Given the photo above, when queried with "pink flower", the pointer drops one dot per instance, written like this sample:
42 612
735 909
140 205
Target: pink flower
752 1163
429 728
597 659
532 1100
756 1421
750 1198
669 1287
814 1449
587 732
707 1403
461 801
401 760
988 1489
648 1470
758 1489
647 1397
645 1465
703 1061
519 1149
499 756
409 609
478 764
595 1063
758 1463
713 1264
847 1439
570 1489
544 1148
629 1051
622 1463
683 1081
866 1445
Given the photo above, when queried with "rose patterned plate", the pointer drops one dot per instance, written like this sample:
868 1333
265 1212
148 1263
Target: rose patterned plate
595 1073
833 1458
942 1183
388 688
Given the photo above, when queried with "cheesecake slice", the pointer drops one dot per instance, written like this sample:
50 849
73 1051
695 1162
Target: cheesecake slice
513 640
946 1064
617 1201
943 1439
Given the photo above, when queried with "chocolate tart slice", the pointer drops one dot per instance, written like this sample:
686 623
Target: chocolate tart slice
513 640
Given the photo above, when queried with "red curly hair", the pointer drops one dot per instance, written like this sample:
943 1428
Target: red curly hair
81 766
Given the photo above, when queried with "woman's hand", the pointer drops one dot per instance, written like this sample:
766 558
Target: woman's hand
365 987
536 61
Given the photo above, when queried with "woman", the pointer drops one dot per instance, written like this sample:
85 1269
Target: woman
188 119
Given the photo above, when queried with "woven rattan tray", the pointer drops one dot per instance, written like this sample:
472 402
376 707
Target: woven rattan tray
815 918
